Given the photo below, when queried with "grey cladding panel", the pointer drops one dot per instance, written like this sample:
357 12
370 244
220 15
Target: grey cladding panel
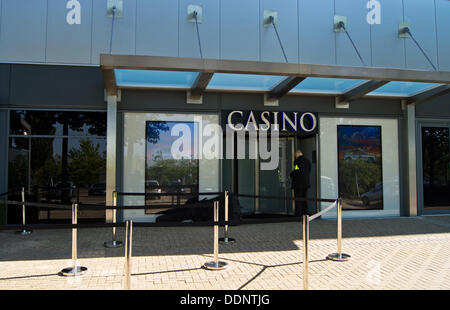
239 30
157 28
4 83
124 39
287 21
443 35
316 35
59 86
359 31
388 50
69 43
208 29
22 30
421 15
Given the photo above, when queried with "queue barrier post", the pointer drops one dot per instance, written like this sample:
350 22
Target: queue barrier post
216 264
305 250
75 270
128 252
114 243
339 256
226 240
23 232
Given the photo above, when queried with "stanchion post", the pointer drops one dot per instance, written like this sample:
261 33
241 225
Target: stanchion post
305 250
128 252
216 264
114 243
23 232
75 270
339 256
226 239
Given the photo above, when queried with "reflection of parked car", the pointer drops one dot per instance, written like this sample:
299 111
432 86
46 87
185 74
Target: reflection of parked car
152 187
97 189
375 194
359 155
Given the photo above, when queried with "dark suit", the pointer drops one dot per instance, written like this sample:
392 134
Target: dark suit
300 183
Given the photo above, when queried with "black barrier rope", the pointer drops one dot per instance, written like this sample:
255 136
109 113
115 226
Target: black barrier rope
285 198
170 194
109 225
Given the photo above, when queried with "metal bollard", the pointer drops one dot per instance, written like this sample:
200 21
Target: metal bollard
226 239
114 243
216 264
305 250
23 232
75 270
128 252
339 256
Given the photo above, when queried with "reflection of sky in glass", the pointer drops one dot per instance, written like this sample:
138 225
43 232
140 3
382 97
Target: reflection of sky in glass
359 138
149 78
326 85
405 89
164 144
228 81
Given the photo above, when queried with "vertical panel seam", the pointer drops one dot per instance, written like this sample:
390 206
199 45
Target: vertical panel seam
259 29
436 32
298 31
46 32
335 36
404 39
178 28
92 29
135 28
220 29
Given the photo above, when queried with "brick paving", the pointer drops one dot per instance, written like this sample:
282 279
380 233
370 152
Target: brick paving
396 253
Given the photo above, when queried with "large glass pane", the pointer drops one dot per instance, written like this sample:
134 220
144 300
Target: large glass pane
403 89
360 167
156 79
436 167
56 171
277 182
59 123
227 81
325 85
170 172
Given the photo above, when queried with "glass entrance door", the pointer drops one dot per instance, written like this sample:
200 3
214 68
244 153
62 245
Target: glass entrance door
277 182
436 168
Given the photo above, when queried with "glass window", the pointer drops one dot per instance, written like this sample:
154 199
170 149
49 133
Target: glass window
360 167
57 123
436 167
167 172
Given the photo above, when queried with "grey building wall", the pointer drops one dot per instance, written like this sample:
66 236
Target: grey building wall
434 108
37 32
33 86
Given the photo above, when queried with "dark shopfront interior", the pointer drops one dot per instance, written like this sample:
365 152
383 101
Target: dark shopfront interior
57 157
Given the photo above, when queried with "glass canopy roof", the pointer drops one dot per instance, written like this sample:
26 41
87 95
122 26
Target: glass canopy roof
259 83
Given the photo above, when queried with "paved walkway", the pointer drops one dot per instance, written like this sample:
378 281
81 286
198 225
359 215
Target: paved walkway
400 253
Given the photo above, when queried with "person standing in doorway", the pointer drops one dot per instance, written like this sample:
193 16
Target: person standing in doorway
300 181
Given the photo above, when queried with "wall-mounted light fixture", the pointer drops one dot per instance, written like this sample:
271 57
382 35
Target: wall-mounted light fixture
269 17
404 29
340 23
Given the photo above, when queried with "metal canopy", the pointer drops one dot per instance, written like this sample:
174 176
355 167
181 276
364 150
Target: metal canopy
275 79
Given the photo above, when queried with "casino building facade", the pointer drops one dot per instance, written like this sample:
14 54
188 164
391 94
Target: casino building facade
94 94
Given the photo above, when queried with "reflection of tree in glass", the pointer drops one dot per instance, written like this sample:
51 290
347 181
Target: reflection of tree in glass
170 170
435 146
154 129
86 163
369 174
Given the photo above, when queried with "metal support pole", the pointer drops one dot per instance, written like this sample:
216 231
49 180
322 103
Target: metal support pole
339 256
75 270
114 243
128 252
216 264
305 250
23 232
226 239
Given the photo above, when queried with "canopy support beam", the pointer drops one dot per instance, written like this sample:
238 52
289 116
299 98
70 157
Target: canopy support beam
429 94
359 91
